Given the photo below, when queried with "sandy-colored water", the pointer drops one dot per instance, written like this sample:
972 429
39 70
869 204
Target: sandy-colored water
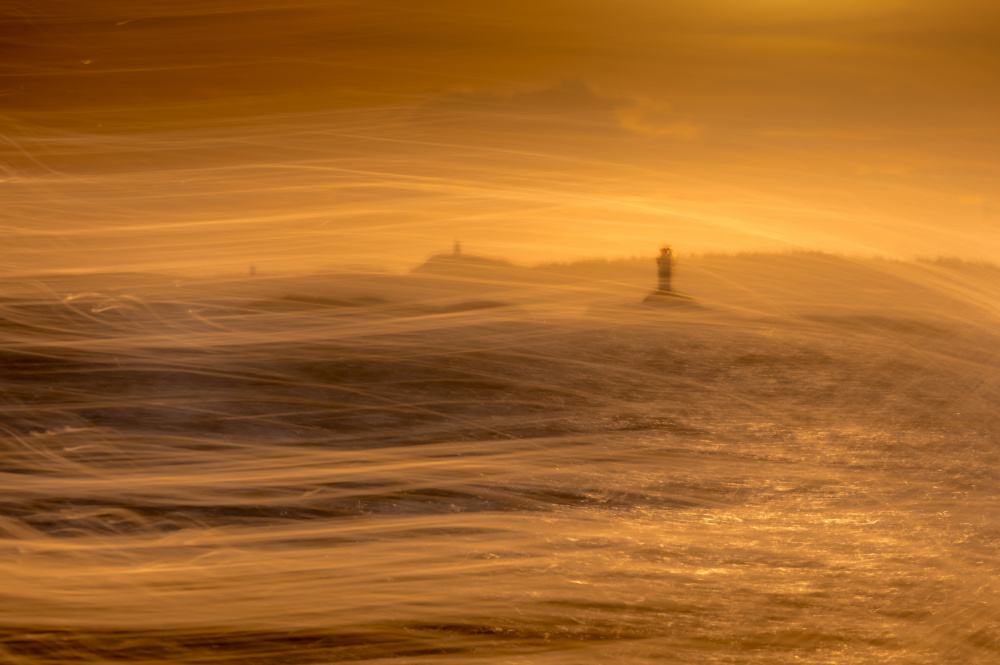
504 465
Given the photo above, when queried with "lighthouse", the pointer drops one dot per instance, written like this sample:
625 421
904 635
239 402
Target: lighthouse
664 294
664 265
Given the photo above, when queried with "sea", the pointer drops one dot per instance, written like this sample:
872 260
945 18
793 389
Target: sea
793 459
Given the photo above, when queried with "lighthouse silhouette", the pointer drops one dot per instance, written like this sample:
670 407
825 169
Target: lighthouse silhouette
664 293
664 267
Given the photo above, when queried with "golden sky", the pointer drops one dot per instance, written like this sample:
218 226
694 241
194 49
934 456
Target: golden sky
209 134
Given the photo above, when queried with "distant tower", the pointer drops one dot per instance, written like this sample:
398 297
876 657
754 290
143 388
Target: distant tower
253 270
663 268
664 295
456 249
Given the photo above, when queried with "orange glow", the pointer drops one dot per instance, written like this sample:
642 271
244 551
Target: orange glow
168 135
334 331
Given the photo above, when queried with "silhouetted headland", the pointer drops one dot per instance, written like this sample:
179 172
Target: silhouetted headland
457 261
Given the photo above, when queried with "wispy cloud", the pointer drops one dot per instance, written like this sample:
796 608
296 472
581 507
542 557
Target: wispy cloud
656 119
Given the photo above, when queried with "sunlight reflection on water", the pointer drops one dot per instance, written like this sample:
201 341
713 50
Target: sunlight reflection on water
277 480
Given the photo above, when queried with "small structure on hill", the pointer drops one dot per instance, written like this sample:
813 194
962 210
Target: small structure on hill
664 293
457 261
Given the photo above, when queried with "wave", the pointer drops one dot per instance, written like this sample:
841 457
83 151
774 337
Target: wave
505 464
